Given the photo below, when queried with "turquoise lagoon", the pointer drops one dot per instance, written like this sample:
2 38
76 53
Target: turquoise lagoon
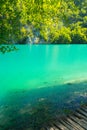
42 66
39 73
37 66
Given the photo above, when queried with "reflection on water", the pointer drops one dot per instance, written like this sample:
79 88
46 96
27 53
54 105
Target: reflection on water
41 82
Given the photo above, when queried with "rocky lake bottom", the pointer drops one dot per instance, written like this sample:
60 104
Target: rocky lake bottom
32 109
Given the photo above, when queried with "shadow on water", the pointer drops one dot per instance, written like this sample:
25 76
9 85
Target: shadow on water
32 117
33 109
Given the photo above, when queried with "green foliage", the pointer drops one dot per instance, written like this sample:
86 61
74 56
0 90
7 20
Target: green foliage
6 48
54 21
79 35
63 36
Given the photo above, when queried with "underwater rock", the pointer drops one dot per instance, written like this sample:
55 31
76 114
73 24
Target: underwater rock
41 99
69 83
51 129
26 109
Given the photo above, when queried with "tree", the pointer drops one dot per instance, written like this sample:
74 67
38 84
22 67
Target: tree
39 18
79 35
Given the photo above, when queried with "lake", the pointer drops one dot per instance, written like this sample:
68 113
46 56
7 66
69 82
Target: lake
40 74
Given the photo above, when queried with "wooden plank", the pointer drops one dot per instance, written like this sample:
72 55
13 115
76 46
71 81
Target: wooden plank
66 124
84 109
49 128
76 125
53 126
80 116
79 120
82 112
60 126
46 127
76 121
71 124
81 123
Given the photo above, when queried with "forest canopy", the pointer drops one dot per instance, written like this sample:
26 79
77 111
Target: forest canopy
43 21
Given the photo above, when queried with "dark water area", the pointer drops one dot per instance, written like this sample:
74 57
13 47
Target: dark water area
32 109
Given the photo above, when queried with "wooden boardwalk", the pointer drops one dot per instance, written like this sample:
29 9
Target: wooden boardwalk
75 121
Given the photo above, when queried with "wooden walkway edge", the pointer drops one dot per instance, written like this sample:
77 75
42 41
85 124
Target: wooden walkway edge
75 121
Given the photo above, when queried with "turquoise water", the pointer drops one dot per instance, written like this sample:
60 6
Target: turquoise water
36 66
39 73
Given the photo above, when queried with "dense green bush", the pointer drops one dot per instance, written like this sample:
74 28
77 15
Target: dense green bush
63 36
79 35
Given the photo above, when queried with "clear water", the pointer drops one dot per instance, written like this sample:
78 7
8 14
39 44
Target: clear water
36 66
37 72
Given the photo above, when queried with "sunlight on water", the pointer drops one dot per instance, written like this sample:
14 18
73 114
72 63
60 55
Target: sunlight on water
36 66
